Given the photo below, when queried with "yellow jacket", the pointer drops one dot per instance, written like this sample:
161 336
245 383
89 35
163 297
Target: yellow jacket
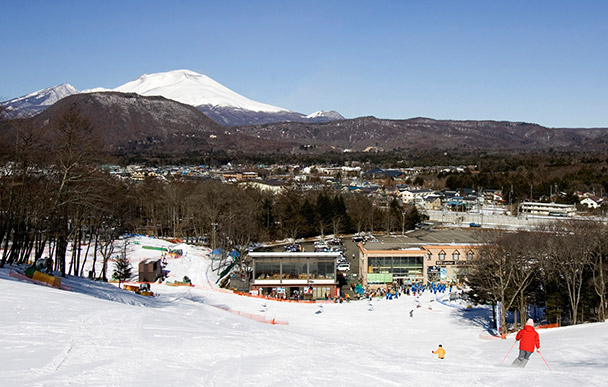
440 352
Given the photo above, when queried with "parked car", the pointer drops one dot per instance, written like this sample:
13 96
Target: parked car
335 242
293 248
344 267
320 244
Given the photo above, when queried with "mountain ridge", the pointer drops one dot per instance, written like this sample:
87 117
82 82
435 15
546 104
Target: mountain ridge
33 103
422 133
131 123
135 124
223 105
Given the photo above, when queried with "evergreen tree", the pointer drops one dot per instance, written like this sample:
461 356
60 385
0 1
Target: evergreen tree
122 269
325 212
267 216
341 220
308 213
413 216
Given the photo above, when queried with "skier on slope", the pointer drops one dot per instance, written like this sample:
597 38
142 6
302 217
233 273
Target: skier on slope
440 352
528 339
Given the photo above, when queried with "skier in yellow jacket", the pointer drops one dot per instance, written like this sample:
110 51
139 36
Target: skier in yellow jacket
440 352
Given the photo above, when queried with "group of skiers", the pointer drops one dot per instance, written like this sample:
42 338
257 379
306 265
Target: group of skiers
432 287
414 289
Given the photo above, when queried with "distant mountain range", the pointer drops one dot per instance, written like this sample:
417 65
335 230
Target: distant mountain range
219 103
32 104
416 134
133 124
182 111
128 123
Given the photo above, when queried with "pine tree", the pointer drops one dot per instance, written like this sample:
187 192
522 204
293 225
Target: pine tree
122 269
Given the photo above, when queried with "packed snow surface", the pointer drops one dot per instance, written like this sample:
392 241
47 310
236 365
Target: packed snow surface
194 89
99 335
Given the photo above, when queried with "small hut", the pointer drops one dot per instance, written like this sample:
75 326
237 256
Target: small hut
150 270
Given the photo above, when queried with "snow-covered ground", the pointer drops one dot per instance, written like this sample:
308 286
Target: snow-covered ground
98 335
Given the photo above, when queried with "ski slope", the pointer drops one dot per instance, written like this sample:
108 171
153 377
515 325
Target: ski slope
98 335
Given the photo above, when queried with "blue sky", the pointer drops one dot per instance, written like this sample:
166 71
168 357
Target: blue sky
535 61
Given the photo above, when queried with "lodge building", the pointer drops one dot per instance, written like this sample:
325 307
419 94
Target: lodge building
283 273
420 257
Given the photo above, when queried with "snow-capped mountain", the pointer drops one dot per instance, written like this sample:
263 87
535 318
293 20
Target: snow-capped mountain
194 89
218 102
325 115
32 104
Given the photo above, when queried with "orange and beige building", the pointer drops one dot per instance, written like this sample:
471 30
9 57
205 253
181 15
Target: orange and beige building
422 256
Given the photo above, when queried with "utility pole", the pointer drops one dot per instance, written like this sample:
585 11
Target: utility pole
214 225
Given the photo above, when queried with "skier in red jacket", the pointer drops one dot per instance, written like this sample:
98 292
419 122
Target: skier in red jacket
528 339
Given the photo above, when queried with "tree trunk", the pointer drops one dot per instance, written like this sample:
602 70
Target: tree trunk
523 313
86 254
40 243
60 252
600 285
503 318
6 250
95 253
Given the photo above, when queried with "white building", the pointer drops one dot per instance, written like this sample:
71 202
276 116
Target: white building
547 209
591 202
415 196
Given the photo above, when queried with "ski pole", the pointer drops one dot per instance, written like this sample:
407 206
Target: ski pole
541 355
503 360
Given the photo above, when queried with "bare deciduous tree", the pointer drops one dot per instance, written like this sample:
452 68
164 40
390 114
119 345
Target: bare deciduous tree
570 255
505 270
600 268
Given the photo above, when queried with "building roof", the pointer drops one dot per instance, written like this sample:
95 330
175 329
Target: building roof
384 172
426 237
302 254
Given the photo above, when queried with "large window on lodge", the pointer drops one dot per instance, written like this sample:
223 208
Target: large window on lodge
295 268
322 269
399 266
267 269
